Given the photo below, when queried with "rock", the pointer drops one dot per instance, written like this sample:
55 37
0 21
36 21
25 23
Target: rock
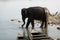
12 20
58 28
19 21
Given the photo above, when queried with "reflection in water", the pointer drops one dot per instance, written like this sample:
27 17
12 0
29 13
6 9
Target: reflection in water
44 30
28 38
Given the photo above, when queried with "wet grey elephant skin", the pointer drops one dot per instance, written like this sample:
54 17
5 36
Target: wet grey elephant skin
34 13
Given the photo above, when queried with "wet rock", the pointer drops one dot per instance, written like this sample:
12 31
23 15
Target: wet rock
19 21
58 28
12 19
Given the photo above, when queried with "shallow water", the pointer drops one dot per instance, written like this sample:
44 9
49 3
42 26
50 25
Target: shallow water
10 29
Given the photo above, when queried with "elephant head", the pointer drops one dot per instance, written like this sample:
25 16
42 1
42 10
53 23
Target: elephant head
24 15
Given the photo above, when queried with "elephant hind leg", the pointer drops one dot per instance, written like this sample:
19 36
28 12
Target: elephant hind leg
42 24
32 22
46 23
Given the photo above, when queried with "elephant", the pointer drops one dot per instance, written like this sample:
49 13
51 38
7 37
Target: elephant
35 13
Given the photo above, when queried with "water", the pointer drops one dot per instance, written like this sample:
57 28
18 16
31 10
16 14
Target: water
53 31
10 29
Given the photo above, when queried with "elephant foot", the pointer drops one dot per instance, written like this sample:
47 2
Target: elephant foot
22 26
26 27
41 27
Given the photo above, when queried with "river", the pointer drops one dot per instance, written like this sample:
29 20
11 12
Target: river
10 29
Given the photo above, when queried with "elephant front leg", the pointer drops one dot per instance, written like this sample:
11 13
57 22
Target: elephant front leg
32 22
27 24
23 24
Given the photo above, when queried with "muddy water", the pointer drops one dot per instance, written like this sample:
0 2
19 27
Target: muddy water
9 30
